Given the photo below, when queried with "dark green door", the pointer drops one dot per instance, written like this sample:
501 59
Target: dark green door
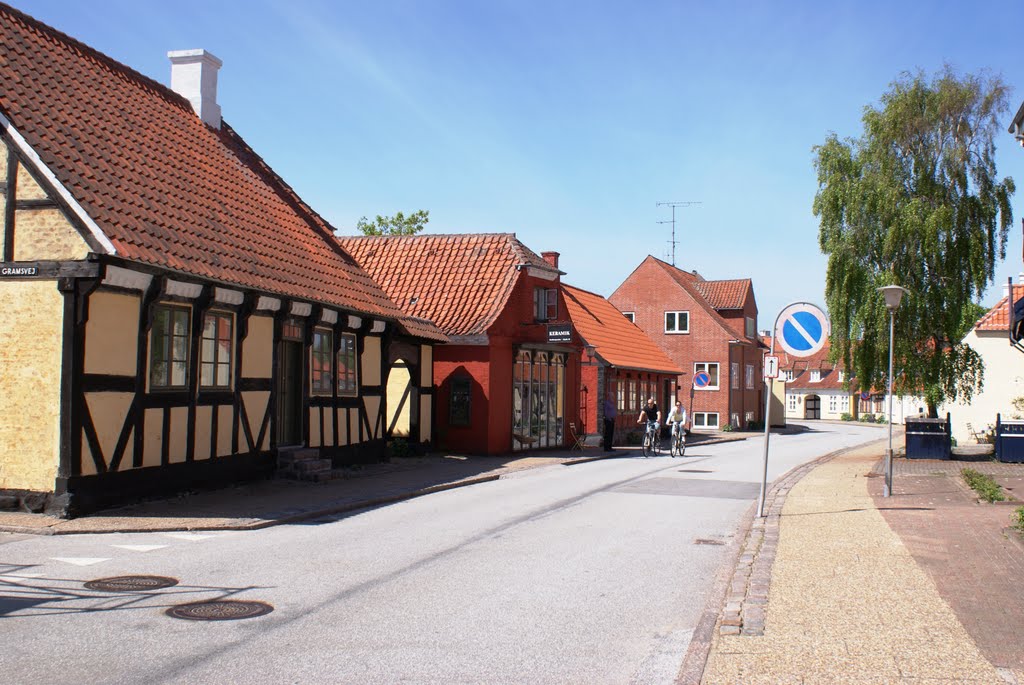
289 393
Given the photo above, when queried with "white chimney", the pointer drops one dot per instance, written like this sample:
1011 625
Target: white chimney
194 75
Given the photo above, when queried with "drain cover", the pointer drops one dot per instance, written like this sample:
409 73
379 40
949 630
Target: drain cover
219 610
131 583
708 541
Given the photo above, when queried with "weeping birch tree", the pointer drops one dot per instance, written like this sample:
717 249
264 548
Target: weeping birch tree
915 201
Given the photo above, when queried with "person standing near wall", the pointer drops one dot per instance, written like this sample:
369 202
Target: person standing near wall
610 414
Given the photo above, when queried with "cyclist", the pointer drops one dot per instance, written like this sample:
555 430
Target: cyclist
652 415
677 419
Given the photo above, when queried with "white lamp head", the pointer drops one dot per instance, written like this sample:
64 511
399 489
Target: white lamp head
893 295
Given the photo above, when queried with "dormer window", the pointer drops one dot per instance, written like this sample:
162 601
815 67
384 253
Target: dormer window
545 304
787 374
815 376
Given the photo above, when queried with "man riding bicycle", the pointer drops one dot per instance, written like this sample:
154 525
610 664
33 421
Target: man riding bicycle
651 414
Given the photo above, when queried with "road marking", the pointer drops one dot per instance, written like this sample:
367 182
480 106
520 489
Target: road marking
191 537
139 548
21 575
81 561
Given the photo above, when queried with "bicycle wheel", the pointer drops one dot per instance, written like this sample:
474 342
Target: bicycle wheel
645 447
673 446
655 440
682 446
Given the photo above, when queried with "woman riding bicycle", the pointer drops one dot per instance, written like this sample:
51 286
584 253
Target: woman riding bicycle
652 415
677 419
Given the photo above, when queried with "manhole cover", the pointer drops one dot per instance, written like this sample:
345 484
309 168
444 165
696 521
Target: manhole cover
131 583
708 541
219 610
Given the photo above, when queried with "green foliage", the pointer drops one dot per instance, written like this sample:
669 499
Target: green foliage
915 201
1018 407
1017 517
727 428
987 489
846 416
399 447
867 418
399 224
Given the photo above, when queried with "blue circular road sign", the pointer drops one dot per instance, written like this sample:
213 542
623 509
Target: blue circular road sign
701 380
802 329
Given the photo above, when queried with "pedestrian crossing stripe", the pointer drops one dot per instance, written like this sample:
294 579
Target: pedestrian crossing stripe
81 561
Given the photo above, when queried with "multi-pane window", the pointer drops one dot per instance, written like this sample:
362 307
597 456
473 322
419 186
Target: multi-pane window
215 351
734 376
677 322
320 363
348 379
459 401
545 304
787 375
751 327
792 402
168 360
630 315
620 396
711 369
750 376
838 403
703 419
633 404
815 376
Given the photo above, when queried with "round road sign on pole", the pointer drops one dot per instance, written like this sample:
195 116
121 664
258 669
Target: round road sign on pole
701 380
802 329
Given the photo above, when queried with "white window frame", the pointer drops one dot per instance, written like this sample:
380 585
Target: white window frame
676 330
792 402
700 419
787 374
704 366
734 375
815 376
631 316
751 329
750 376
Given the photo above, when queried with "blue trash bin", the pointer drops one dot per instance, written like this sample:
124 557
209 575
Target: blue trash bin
928 439
1009 441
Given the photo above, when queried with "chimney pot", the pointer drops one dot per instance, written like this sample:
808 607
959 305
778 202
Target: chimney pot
194 76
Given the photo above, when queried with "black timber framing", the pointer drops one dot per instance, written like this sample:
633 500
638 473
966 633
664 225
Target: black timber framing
10 193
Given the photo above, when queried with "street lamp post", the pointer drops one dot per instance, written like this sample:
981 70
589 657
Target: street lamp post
893 295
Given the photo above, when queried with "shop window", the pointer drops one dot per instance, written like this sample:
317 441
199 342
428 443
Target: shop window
459 401
216 351
321 368
168 356
348 377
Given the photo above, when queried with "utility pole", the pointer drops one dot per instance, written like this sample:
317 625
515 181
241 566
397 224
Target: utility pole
673 205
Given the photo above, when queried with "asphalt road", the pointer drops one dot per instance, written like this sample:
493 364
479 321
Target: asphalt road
592 573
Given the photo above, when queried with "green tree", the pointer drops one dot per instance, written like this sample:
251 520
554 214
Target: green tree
399 224
915 201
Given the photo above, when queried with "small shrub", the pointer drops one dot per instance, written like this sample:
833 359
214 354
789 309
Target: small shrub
984 485
952 441
727 428
754 426
867 418
399 447
846 416
1017 517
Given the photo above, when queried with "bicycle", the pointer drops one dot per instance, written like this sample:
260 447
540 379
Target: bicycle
678 444
650 444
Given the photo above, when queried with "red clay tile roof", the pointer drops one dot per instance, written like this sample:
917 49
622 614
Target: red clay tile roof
998 318
618 341
166 189
688 281
460 282
724 294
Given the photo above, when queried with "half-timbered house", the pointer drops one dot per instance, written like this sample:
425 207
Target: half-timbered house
174 315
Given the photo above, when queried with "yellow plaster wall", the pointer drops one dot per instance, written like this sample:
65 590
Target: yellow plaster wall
371 361
152 437
425 414
112 333
203 417
179 434
28 189
255 407
30 373
314 427
399 380
372 405
355 429
45 234
108 411
258 350
426 366
225 416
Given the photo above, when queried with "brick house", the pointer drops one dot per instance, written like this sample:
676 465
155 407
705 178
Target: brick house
175 316
703 326
619 360
508 380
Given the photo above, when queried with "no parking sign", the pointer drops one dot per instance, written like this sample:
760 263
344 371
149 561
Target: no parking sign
802 329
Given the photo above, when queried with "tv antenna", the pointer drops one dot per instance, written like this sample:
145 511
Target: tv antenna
673 205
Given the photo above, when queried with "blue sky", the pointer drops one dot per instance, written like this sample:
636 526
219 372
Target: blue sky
567 122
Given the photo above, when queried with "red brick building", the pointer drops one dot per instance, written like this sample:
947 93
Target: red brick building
703 326
619 360
509 379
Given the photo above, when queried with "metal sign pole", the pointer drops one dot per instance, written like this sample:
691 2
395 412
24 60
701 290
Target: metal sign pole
767 432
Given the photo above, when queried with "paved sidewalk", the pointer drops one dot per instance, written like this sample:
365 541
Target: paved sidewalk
273 502
840 585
